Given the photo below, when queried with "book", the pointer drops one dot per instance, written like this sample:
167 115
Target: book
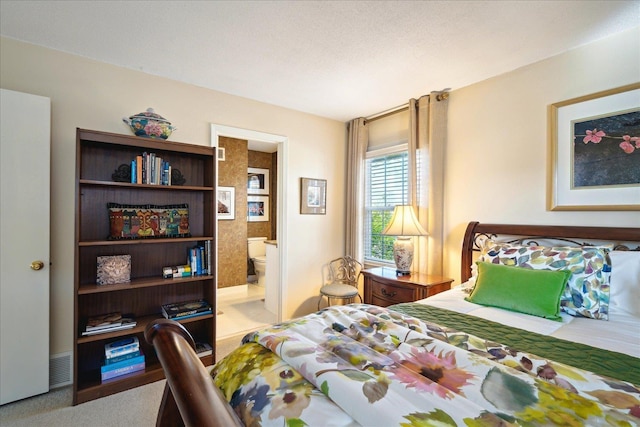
116 359
107 367
152 168
123 346
103 321
139 169
186 308
122 371
203 349
198 260
193 261
133 171
188 316
207 251
166 178
144 168
126 323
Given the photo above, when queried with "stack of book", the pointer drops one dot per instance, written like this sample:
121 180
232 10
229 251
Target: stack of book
121 358
199 258
185 310
108 323
148 168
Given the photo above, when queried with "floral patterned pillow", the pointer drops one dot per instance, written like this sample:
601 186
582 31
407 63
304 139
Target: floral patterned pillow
587 291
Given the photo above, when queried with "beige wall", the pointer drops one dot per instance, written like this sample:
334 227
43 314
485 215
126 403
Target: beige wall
497 151
495 161
93 95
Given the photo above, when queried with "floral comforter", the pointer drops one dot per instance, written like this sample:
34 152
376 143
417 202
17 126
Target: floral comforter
365 365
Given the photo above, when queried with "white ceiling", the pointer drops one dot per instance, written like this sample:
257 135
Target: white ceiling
336 59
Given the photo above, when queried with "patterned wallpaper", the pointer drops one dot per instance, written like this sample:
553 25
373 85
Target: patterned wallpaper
232 234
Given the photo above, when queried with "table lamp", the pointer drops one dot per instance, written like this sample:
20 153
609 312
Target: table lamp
404 224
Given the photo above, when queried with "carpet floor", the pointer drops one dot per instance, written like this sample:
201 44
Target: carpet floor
135 407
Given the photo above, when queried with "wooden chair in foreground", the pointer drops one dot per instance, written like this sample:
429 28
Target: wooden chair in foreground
190 397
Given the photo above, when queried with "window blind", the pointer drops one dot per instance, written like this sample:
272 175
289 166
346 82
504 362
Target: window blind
386 186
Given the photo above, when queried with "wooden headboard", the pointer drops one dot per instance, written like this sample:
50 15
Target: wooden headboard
625 238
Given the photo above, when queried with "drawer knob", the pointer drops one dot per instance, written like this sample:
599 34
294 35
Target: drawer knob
388 294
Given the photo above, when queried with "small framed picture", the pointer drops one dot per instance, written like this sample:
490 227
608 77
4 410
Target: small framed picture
257 181
313 196
221 154
226 203
257 208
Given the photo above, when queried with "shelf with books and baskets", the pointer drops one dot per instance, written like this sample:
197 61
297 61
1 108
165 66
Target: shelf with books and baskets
126 234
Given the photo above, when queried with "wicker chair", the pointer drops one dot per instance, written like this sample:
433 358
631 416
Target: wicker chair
344 274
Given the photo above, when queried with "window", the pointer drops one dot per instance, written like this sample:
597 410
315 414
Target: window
385 187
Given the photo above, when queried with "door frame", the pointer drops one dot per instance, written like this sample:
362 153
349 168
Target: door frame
282 143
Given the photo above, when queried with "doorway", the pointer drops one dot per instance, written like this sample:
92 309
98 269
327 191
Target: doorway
258 141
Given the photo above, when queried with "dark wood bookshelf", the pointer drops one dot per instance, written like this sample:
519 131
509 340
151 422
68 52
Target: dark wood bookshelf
98 155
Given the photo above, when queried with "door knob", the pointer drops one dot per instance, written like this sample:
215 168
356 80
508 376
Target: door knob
37 265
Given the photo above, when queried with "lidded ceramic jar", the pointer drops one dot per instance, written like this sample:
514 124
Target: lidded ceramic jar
149 124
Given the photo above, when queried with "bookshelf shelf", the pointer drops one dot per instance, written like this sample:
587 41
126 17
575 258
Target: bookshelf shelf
91 182
141 325
141 241
98 155
138 283
92 388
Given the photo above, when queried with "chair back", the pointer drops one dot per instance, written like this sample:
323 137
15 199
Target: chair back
345 270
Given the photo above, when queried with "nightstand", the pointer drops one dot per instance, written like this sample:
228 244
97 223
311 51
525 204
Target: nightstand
383 287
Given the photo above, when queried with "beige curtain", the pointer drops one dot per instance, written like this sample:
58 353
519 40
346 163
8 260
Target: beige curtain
356 150
427 142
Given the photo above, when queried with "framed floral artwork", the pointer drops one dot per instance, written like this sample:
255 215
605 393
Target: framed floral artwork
257 208
594 152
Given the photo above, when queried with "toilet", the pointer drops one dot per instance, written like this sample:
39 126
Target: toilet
257 252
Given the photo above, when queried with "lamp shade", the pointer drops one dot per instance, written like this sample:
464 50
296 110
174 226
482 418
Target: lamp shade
404 223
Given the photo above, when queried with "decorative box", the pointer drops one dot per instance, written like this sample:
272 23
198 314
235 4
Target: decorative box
113 269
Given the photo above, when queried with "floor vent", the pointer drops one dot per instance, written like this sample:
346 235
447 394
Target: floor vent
60 368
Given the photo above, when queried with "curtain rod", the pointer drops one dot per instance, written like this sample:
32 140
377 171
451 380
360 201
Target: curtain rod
441 95
386 113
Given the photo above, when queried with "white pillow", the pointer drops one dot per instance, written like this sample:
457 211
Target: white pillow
625 282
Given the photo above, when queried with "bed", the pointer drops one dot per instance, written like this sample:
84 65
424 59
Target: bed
567 354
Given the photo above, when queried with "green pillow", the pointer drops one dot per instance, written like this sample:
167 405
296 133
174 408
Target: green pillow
535 292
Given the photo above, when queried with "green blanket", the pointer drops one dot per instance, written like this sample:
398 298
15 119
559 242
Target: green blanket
603 362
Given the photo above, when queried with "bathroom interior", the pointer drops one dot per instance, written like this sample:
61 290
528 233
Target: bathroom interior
246 297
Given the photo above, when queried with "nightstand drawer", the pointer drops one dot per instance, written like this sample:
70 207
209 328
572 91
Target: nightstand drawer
390 293
383 287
